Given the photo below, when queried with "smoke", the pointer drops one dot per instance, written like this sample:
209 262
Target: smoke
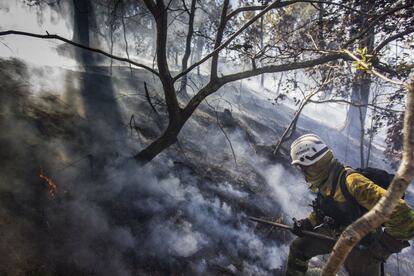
290 192
185 212
110 217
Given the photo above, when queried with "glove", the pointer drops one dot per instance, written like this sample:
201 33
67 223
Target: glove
300 225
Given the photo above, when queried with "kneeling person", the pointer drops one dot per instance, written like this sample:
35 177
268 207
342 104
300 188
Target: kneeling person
343 195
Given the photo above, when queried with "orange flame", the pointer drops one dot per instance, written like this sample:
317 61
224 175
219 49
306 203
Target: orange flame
50 183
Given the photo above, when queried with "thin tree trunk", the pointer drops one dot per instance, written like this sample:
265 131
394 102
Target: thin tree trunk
321 39
361 137
371 138
279 84
197 54
82 10
125 36
292 125
187 52
261 48
382 211
219 38
360 88
287 134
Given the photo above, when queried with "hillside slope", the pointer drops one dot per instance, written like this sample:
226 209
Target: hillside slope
184 213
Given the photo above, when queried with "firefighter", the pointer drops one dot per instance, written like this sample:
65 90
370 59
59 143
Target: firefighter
335 207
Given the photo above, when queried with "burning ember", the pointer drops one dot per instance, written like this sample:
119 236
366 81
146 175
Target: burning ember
50 184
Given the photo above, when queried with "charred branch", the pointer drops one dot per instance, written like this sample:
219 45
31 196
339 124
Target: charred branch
224 133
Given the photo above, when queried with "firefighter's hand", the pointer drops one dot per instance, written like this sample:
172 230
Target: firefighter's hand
300 225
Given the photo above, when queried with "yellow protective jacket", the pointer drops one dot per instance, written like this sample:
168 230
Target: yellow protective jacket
367 194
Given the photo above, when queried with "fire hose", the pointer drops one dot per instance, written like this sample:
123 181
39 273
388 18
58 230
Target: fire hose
288 227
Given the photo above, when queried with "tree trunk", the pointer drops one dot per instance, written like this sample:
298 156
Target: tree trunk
321 36
153 38
361 137
261 48
371 138
382 211
360 96
82 10
167 139
198 52
355 121
176 123
187 52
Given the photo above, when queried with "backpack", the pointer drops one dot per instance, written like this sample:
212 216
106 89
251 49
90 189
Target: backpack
382 179
378 176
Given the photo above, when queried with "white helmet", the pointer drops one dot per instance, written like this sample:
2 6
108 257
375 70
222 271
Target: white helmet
307 150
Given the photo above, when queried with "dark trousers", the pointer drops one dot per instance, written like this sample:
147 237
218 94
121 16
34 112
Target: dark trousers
360 262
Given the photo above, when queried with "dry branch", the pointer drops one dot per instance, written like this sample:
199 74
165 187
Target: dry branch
292 126
147 96
224 133
233 36
96 50
372 106
392 38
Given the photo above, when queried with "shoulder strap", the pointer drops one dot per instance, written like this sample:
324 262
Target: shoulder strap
335 184
344 188
333 187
